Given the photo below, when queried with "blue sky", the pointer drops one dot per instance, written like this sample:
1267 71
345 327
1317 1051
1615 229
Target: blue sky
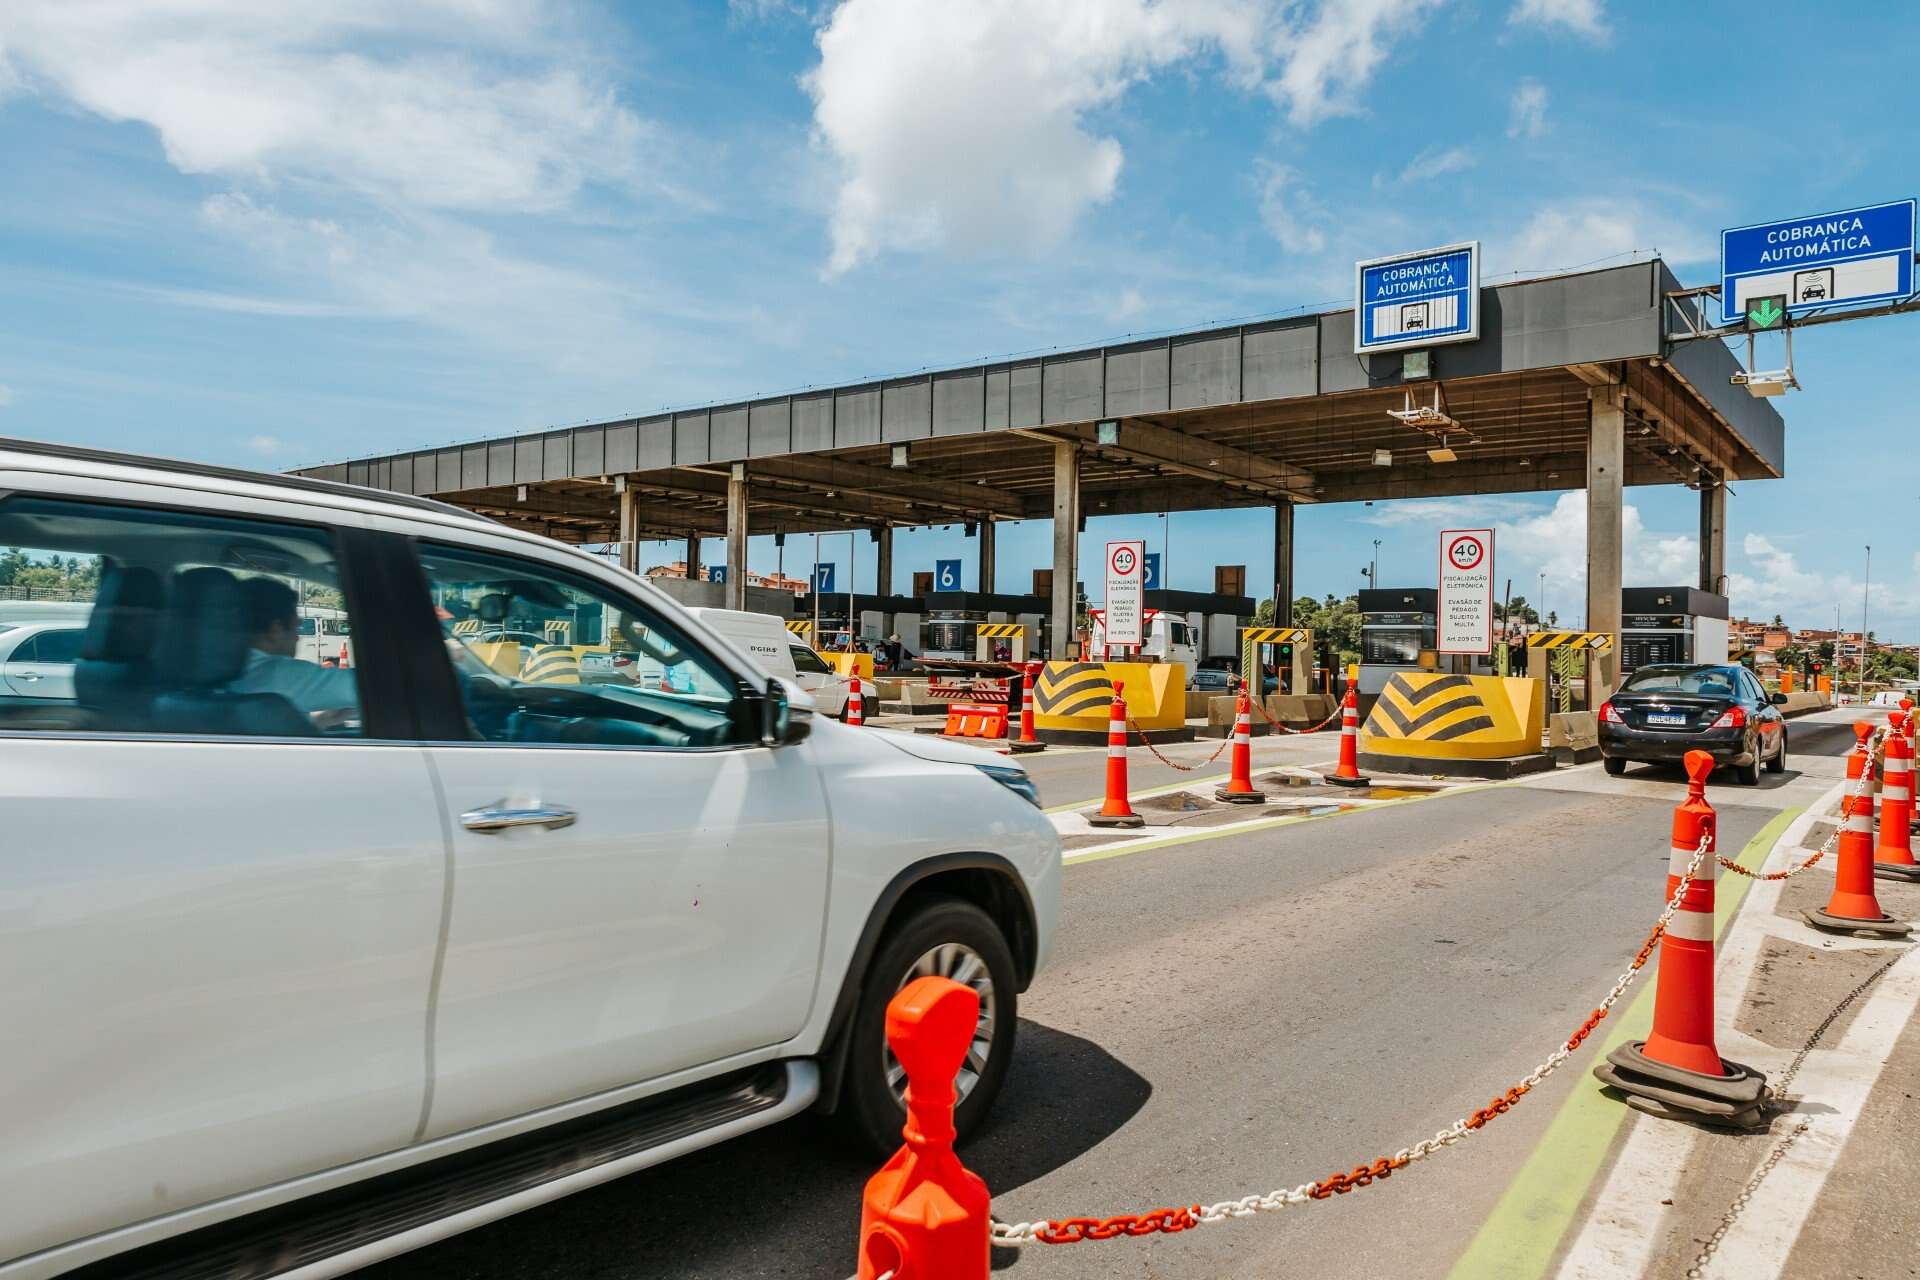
273 236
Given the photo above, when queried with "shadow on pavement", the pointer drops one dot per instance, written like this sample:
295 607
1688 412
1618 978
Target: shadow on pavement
786 1201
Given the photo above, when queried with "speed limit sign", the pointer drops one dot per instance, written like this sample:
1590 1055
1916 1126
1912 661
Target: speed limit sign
1125 601
1465 624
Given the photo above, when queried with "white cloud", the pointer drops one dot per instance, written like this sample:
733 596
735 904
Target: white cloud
967 126
1527 113
265 446
6 395
1580 232
453 104
1431 163
1583 17
1290 213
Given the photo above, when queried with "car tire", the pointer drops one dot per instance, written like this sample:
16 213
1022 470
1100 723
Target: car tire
870 1107
1614 765
1779 762
1749 774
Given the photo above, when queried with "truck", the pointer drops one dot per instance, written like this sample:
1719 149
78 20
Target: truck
1168 638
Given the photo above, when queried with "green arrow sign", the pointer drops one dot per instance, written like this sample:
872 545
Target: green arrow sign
1769 312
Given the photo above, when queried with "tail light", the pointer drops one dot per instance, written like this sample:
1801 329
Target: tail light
1609 715
1732 718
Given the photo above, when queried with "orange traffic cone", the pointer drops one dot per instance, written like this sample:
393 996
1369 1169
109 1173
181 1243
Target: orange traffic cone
856 706
1116 812
1021 686
1348 774
1239 788
925 1213
1893 854
1853 907
1677 1072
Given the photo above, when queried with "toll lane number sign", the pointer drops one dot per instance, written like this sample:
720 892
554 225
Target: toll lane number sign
1466 591
1126 580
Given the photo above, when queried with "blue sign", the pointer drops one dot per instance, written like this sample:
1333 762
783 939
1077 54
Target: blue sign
1417 299
823 578
716 573
1829 259
1152 579
946 575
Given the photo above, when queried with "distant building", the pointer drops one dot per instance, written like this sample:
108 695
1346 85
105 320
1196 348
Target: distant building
771 581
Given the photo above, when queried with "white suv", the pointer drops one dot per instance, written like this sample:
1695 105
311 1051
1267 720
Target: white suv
309 964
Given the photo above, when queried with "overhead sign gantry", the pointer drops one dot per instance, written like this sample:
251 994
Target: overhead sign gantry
1417 299
1827 260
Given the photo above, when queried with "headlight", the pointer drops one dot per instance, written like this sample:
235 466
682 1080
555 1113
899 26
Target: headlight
1014 780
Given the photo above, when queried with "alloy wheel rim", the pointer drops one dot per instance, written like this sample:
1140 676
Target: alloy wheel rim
957 962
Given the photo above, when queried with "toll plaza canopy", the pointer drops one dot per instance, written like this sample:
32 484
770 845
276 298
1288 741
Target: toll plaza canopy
1571 384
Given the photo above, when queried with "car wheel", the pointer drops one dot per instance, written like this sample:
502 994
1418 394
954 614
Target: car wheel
951 939
1614 765
1779 762
1749 774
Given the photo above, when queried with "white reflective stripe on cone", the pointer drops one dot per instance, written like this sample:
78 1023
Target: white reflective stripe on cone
1892 792
1695 926
1117 749
1859 821
1897 766
1677 864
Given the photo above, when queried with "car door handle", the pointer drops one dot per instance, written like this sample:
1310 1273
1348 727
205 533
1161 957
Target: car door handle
28 677
499 818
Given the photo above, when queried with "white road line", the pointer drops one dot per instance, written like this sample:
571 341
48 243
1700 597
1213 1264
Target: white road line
1836 1086
1625 1224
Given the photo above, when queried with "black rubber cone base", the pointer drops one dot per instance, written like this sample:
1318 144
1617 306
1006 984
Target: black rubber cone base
1897 871
1736 1100
1338 781
1025 748
1128 820
1884 927
1240 797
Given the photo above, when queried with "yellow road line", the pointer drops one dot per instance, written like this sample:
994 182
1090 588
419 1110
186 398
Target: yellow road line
1520 1237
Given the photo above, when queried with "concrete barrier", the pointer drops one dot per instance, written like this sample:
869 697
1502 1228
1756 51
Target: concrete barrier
1804 702
1071 700
1470 726
1573 737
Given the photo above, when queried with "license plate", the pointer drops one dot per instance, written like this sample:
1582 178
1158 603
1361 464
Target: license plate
1667 719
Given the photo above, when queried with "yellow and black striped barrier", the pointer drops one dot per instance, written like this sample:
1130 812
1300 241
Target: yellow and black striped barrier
1071 689
551 664
1598 641
559 631
1428 714
467 627
1274 635
800 626
1000 630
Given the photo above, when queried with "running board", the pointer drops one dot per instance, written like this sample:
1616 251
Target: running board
356 1226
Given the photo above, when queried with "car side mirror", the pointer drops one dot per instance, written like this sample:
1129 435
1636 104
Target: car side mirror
1779 699
782 723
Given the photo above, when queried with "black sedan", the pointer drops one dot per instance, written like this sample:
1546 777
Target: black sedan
1663 712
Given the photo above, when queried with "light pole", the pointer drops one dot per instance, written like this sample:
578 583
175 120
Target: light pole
1374 575
1866 588
1540 599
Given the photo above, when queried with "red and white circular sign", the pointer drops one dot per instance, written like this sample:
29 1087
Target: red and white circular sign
1466 551
1125 561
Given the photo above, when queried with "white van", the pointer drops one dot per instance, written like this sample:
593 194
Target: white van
766 640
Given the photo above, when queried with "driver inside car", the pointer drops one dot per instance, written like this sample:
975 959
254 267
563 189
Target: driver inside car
330 695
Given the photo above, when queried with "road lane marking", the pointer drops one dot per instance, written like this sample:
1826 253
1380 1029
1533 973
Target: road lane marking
1520 1236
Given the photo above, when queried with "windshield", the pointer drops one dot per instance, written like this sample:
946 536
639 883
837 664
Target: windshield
1710 682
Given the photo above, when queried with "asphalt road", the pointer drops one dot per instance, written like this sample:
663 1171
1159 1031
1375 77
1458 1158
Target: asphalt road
1225 1017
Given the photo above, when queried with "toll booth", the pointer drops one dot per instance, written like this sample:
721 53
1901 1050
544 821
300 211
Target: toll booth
953 621
1398 632
1287 651
1671 624
992 637
874 619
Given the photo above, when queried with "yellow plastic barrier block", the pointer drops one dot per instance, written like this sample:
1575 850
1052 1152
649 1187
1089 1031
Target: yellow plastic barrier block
847 664
1427 714
1078 695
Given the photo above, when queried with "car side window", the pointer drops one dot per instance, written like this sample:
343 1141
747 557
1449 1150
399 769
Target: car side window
190 621
543 656
807 662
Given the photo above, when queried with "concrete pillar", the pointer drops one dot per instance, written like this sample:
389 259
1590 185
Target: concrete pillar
1066 542
693 556
986 556
1606 481
736 594
629 530
883 566
1282 563
1713 535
